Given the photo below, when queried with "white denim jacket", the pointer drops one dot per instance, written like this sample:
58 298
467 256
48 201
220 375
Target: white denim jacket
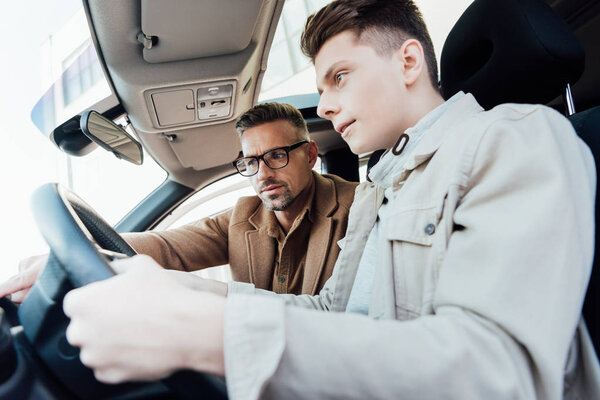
482 269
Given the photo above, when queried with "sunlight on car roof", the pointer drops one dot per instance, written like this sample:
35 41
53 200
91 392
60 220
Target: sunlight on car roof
289 72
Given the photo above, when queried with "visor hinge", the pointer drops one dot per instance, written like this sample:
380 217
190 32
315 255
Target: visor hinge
147 41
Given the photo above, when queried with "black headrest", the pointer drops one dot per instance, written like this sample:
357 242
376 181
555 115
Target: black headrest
516 51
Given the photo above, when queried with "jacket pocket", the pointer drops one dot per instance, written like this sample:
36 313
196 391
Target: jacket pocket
411 237
414 226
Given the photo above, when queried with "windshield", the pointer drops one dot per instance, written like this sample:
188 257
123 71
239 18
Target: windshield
289 72
53 46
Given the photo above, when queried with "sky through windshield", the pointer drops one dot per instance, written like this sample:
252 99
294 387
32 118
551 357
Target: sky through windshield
27 158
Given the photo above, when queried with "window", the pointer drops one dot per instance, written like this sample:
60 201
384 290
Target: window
212 200
81 71
288 70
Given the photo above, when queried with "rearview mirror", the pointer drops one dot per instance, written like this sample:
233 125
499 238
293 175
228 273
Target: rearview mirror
111 137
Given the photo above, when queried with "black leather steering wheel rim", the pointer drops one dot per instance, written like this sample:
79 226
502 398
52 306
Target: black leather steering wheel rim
73 230
76 235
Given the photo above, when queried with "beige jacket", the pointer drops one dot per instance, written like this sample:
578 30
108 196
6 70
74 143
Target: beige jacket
484 306
239 237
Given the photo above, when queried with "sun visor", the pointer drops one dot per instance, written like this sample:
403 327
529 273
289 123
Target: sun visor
189 29
195 147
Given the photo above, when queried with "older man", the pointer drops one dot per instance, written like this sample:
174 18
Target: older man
284 238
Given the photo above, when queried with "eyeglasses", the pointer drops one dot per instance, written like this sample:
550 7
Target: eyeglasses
274 159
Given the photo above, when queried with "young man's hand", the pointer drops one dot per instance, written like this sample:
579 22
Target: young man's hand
19 285
145 323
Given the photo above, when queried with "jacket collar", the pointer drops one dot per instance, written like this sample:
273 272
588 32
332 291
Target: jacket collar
325 198
464 106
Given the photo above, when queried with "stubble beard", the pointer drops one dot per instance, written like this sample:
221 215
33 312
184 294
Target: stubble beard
278 202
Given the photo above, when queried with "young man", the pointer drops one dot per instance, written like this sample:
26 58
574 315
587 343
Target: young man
470 251
283 239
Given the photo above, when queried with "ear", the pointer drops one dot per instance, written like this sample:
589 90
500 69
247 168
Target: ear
313 153
412 59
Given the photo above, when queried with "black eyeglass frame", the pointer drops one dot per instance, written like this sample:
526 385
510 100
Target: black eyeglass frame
261 157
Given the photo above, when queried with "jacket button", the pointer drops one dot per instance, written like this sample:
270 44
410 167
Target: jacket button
430 229
281 279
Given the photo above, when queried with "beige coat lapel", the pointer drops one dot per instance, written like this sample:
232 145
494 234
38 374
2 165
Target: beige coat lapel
318 244
262 249
323 207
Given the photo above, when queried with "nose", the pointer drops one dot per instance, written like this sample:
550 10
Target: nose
327 106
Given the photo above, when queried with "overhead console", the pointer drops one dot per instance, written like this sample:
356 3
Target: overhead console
199 34
184 71
191 104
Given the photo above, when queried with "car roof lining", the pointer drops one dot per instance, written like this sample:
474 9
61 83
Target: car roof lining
116 24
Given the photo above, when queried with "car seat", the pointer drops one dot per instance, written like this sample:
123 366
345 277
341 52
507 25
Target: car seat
520 51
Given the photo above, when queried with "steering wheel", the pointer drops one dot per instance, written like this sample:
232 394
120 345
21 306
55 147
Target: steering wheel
81 245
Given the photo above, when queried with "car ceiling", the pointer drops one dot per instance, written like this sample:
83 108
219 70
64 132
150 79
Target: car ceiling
221 47
188 56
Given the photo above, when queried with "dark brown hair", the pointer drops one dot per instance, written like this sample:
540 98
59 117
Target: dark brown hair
384 24
270 112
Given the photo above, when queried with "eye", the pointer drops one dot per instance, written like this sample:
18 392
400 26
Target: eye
250 162
339 78
277 154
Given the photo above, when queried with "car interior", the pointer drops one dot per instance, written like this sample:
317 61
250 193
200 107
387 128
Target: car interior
181 79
